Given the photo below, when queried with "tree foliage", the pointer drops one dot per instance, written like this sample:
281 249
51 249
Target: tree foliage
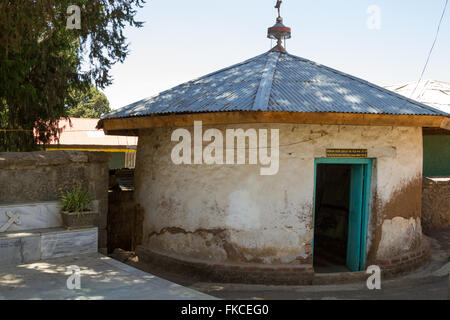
42 61
91 103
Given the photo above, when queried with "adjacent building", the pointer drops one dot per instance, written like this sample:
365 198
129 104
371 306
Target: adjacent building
436 142
81 134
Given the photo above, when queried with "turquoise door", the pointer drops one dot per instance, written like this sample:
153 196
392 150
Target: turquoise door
360 190
355 217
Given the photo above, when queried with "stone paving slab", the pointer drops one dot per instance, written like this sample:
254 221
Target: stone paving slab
102 278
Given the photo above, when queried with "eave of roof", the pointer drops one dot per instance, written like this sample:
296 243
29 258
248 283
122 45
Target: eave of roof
131 126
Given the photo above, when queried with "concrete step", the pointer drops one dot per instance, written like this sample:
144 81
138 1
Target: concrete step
19 247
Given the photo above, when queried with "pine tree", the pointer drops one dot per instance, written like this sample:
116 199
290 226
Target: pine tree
42 61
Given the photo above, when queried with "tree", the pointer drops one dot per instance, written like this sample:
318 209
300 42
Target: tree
42 61
92 103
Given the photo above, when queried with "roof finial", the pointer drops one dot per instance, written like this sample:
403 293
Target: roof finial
279 31
278 6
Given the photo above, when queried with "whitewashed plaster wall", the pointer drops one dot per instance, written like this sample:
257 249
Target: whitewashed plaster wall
230 213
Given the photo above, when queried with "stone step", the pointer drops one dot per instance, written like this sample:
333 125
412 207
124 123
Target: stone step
19 247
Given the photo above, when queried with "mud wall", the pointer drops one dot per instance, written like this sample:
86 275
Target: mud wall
436 203
232 214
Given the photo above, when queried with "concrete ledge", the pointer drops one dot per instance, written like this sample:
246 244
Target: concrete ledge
230 273
28 246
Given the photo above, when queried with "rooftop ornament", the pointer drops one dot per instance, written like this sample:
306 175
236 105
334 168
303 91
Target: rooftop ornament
279 31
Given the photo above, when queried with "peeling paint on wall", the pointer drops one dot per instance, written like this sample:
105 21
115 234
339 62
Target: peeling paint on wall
398 236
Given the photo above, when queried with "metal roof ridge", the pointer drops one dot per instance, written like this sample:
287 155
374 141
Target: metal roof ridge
265 86
421 105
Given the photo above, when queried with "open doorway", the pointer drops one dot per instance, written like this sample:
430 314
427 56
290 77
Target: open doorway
340 215
331 217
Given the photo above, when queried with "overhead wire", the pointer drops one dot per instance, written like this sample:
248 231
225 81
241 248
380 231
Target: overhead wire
431 50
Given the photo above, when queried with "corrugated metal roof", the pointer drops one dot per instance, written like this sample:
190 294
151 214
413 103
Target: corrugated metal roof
276 81
430 92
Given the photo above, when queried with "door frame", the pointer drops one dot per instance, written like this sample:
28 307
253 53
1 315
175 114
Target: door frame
367 197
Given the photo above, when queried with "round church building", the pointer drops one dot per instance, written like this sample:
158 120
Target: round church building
277 169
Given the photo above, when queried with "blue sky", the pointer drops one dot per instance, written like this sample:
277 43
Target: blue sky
185 39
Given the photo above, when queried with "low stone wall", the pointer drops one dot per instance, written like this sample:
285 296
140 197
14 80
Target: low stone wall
436 203
40 176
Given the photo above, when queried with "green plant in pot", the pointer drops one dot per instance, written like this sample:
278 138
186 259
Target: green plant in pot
77 208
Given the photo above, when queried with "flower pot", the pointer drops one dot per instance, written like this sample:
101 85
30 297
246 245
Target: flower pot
74 220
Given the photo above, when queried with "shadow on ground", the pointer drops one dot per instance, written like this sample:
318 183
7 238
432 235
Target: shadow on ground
430 282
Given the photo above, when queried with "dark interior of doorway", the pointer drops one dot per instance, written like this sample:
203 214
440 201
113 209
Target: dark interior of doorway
331 217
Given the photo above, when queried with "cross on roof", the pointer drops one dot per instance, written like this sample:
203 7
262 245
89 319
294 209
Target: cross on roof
278 6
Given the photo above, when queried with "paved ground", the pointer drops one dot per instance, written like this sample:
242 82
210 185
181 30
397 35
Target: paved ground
106 278
101 278
435 288
431 282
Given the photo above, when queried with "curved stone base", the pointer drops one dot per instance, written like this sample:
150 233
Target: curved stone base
407 262
278 274
230 273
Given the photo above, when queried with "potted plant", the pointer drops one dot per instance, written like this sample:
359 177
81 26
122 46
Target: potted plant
77 210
